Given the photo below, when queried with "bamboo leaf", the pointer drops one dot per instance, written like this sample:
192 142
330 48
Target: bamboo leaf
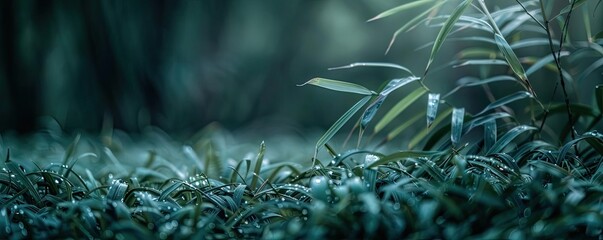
373 64
433 102
543 61
400 8
391 135
339 86
458 114
591 68
341 121
490 132
421 135
117 191
446 28
371 110
599 97
398 108
412 23
513 61
506 100
397 83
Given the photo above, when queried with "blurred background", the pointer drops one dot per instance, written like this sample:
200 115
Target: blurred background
181 65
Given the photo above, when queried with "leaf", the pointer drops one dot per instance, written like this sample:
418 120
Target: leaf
339 86
397 83
412 23
544 61
320 188
373 64
400 8
591 68
446 28
371 110
398 108
391 135
258 165
340 122
531 42
457 124
21 178
117 191
512 60
506 100
490 131
481 62
508 137
432 107
421 135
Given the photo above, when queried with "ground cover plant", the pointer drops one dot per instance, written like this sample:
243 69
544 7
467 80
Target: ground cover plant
526 164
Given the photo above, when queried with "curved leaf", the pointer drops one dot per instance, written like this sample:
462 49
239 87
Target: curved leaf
400 8
373 64
446 28
339 86
512 59
412 23
599 97
421 135
340 122
458 114
397 83
544 61
398 108
506 100
371 110
508 137
405 154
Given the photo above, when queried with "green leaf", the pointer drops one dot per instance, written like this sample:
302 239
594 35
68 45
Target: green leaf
512 60
21 178
490 131
421 135
258 165
397 83
433 102
446 28
412 23
407 123
458 114
117 191
320 188
591 68
508 137
340 122
371 110
339 86
544 61
506 100
481 62
400 8
398 108
373 64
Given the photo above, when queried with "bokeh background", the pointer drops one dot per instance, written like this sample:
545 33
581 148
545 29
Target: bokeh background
180 65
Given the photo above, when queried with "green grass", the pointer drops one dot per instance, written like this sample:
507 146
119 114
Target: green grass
521 167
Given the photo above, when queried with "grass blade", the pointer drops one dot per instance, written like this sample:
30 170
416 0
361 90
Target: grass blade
405 154
543 62
373 64
399 108
340 122
117 191
490 134
339 86
258 165
407 123
599 97
508 137
448 25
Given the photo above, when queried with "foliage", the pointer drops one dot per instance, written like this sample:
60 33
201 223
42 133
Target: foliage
520 177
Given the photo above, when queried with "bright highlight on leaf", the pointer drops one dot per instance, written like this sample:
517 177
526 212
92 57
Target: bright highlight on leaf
458 114
339 86
433 102
400 8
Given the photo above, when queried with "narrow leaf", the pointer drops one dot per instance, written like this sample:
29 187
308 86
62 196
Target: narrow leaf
506 100
421 135
412 24
591 68
544 61
117 191
513 61
458 114
397 83
490 131
432 107
341 121
446 28
407 123
508 137
481 62
403 155
400 8
339 86
371 110
258 165
599 97
398 108
373 64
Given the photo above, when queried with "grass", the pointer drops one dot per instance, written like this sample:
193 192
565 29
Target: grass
505 171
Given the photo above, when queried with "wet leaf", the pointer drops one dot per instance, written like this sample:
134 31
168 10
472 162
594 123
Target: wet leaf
399 108
340 122
433 102
458 115
371 110
490 131
373 64
510 136
505 100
